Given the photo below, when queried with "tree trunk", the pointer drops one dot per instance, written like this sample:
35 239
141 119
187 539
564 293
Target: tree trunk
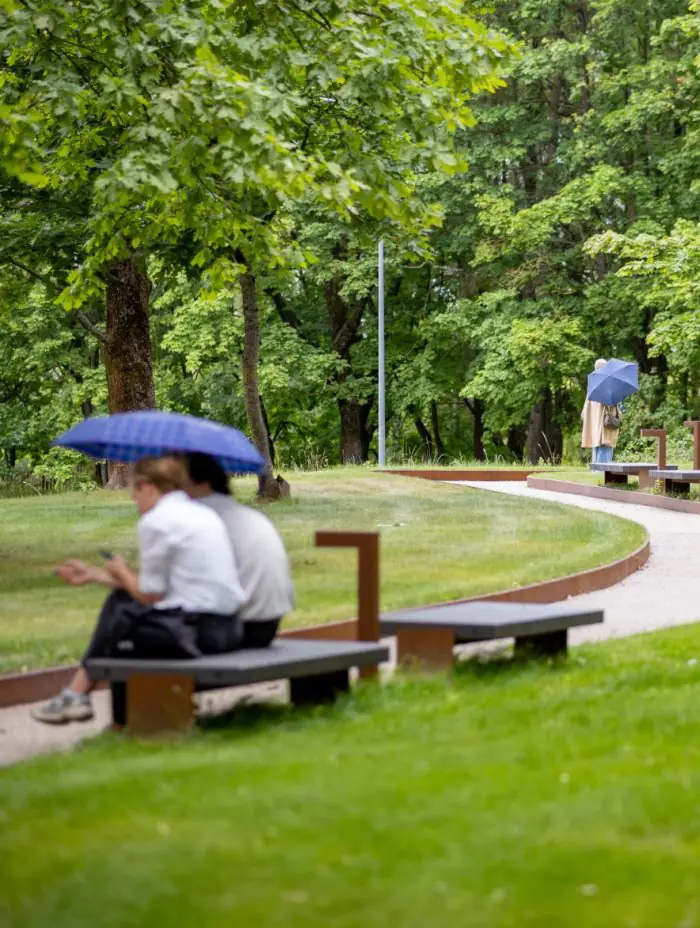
270 440
478 433
516 441
351 428
544 438
366 431
476 408
343 325
425 436
127 351
435 422
268 487
535 426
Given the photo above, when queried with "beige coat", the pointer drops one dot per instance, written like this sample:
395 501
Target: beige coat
594 432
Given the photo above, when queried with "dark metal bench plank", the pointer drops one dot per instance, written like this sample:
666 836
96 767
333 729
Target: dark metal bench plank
486 621
619 468
681 476
283 660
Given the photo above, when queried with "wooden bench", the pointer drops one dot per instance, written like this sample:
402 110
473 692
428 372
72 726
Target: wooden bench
615 474
152 696
428 636
676 481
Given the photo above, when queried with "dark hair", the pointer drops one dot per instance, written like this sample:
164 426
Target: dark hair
203 468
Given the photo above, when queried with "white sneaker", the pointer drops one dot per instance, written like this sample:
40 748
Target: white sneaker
66 707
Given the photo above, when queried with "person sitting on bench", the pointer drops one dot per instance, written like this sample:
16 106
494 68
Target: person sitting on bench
183 602
263 565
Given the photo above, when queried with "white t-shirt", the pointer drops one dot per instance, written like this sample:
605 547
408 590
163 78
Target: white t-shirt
185 554
262 562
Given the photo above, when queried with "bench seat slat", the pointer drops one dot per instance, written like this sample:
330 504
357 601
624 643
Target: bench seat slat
285 659
488 621
614 467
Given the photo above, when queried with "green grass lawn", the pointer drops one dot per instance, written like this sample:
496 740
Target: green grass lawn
509 795
577 475
438 543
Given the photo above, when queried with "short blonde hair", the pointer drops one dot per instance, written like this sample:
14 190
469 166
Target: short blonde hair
601 362
167 473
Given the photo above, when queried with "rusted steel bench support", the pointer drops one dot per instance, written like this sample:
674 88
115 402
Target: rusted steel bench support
426 648
433 649
660 436
367 545
694 425
154 703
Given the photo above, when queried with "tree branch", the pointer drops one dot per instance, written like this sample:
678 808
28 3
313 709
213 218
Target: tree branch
283 311
92 328
348 333
47 281
30 272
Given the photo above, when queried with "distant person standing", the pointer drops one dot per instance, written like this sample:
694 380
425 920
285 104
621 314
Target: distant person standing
596 434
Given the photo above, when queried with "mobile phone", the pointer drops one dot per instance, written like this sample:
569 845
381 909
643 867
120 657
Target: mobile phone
106 555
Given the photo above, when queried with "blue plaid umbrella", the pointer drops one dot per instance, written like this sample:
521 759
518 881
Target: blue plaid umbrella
613 382
128 436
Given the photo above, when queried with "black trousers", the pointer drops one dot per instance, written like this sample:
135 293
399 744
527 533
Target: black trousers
259 634
131 630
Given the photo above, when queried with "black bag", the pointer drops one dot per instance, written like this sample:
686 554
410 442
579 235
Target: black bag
145 633
611 417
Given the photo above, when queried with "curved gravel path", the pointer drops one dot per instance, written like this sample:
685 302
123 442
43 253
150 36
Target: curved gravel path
663 593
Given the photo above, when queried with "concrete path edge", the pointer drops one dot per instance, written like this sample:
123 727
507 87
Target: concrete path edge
630 497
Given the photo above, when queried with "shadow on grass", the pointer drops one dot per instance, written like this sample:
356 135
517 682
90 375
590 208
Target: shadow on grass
245 717
497 665
251 718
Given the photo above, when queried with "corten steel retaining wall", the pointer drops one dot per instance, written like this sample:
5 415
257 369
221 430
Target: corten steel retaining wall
41 684
477 475
617 496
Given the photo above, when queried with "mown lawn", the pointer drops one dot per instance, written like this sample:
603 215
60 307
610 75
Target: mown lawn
438 542
576 475
509 795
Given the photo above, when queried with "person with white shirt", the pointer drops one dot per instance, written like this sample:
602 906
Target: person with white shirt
263 565
184 601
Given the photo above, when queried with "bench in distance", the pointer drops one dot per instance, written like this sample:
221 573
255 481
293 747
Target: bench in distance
429 635
615 474
676 481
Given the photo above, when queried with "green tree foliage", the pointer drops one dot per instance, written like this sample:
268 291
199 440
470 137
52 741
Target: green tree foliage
187 133
529 227
585 161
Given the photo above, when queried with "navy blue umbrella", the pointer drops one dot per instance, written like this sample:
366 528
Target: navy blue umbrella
613 382
128 436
